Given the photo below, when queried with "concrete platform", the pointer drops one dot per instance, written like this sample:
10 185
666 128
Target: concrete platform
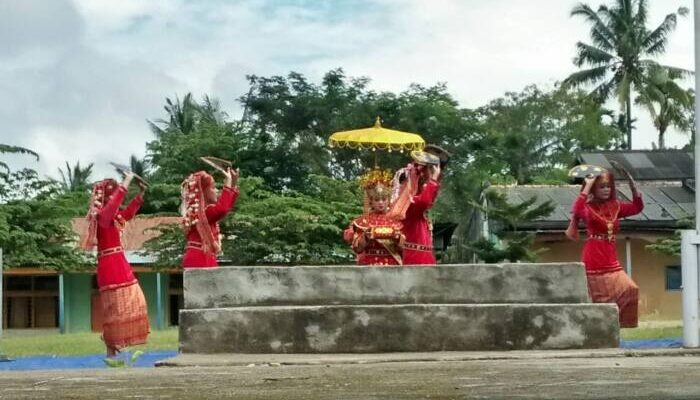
351 309
387 328
348 285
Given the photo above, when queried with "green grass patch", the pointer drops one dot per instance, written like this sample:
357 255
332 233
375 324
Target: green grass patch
73 344
651 333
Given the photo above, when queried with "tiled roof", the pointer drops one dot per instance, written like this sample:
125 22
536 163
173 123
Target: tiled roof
136 233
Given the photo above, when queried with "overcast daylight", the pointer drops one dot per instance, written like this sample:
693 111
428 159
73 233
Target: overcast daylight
79 79
349 199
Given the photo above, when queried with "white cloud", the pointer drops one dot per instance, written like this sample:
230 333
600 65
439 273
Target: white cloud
78 80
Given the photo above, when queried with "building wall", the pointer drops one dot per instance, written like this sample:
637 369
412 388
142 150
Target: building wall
77 290
148 281
648 271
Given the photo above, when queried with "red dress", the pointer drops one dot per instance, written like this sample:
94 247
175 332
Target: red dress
112 267
383 245
603 219
607 281
194 256
124 309
418 247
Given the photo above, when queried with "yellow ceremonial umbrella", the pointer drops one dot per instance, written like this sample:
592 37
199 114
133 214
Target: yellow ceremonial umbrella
377 137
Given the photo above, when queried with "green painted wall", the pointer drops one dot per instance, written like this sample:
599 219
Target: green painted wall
78 307
148 280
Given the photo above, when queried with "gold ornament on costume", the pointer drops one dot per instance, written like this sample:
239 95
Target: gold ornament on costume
377 183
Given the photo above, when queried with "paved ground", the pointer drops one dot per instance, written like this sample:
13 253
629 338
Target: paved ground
661 377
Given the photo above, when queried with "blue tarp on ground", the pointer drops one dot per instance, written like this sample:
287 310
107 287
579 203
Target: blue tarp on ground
148 359
652 343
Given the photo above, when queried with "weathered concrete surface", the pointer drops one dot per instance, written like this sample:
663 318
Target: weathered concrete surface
652 378
242 359
460 284
387 328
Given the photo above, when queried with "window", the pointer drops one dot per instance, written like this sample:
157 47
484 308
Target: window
177 300
673 277
30 302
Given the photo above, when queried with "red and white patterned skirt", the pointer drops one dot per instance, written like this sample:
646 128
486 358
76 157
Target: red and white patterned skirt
616 287
125 315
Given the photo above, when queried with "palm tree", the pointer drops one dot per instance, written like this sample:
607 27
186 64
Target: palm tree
619 55
667 103
75 179
140 167
182 116
7 149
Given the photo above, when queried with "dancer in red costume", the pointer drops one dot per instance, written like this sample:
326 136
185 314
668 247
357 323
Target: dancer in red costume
123 303
374 237
599 208
419 187
201 213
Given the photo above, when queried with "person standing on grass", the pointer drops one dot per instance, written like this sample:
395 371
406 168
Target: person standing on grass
123 303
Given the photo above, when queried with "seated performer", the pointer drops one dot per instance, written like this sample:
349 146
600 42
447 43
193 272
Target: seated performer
417 188
373 236
123 303
201 213
599 208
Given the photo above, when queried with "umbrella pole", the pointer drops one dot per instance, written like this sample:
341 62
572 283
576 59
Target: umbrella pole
376 164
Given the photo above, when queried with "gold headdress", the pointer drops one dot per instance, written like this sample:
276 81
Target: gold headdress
377 183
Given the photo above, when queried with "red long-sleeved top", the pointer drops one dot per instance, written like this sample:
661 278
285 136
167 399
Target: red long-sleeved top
114 269
196 258
374 253
416 226
599 253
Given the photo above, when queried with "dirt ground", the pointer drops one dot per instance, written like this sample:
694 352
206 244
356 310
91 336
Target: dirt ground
600 378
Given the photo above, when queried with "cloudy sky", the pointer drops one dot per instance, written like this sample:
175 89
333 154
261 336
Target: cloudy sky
79 79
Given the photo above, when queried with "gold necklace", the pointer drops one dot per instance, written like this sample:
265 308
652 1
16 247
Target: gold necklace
609 222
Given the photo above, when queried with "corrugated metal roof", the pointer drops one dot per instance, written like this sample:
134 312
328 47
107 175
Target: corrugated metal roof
660 210
646 164
679 194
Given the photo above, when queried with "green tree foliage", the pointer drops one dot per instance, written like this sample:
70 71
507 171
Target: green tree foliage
289 120
511 244
35 223
668 104
8 149
621 52
140 167
672 246
193 130
25 184
283 229
294 228
526 136
281 143
75 179
298 195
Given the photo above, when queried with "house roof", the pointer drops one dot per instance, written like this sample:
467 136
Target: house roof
137 231
664 205
664 165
